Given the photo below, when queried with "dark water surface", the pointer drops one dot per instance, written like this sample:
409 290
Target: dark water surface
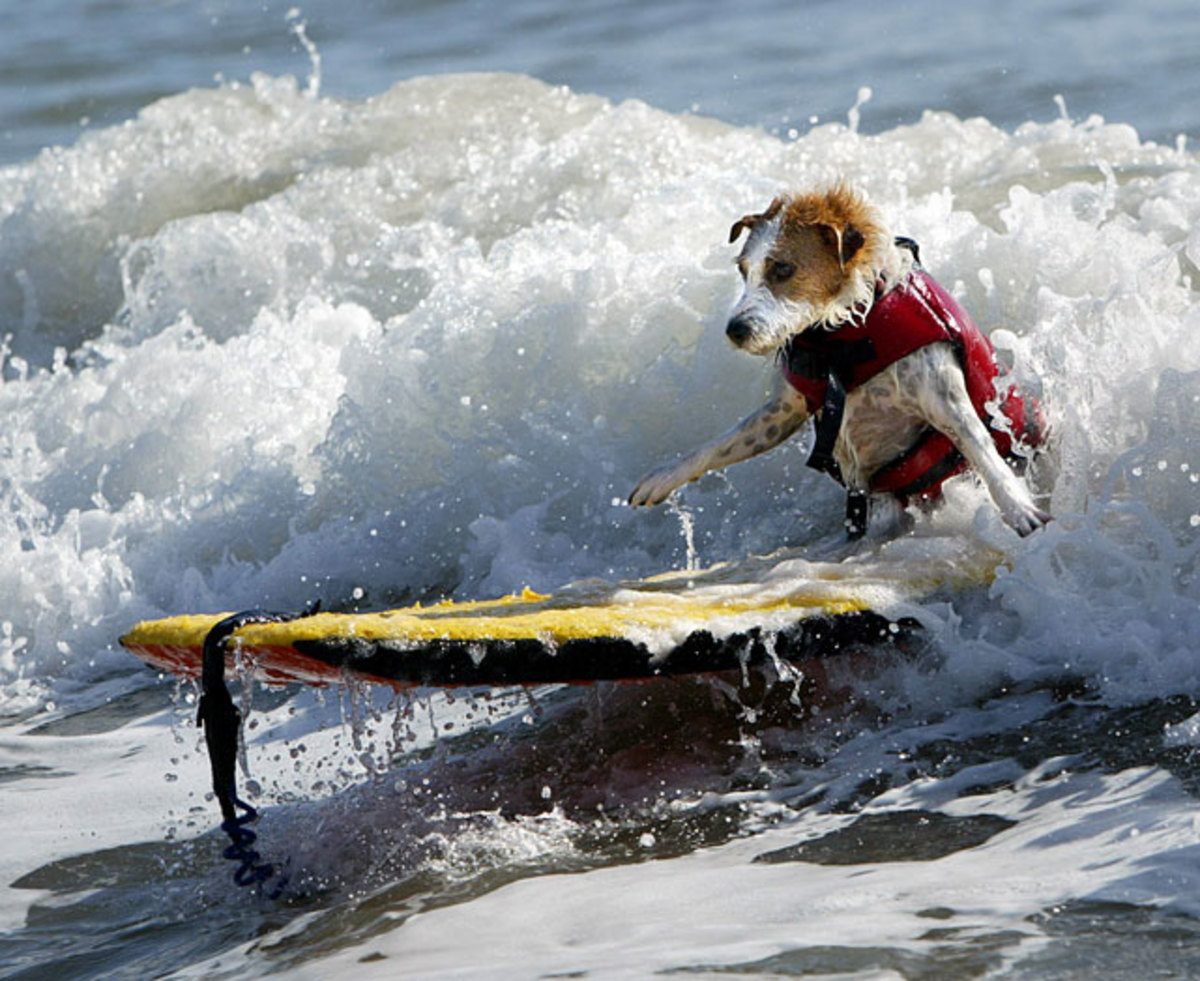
66 65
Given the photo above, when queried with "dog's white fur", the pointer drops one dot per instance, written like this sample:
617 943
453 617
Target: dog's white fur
813 262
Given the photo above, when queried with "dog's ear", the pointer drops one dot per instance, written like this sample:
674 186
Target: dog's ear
845 242
749 221
851 241
739 226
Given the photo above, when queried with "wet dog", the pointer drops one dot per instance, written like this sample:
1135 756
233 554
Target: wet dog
904 389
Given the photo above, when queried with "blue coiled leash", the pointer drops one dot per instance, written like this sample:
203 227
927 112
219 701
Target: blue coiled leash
221 721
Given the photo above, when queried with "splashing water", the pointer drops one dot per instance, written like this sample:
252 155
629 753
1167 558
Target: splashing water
420 344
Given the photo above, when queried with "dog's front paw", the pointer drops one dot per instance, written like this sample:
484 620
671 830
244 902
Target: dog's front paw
658 484
1026 518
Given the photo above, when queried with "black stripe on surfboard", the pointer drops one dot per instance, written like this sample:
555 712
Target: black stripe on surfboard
530 661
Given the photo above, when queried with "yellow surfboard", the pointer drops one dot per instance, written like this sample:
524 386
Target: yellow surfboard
782 605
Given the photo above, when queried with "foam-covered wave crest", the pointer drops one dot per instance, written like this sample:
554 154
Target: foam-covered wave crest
265 347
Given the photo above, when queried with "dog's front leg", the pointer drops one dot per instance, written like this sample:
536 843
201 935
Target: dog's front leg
948 408
761 431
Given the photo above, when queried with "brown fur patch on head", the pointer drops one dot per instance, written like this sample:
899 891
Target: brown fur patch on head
803 265
847 217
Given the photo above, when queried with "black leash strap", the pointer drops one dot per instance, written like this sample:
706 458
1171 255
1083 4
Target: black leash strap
221 721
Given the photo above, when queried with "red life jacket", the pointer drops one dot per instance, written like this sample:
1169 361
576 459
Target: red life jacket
915 313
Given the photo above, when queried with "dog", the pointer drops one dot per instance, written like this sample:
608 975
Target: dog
904 389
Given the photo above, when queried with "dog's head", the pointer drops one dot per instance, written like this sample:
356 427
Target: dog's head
810 260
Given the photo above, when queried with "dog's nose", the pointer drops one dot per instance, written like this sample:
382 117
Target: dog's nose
739 330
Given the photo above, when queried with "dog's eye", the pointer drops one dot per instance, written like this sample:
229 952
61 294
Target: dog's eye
777 272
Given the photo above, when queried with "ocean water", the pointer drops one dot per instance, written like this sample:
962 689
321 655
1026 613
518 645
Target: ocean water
390 302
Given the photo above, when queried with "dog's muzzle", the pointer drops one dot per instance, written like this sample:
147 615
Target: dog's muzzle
739 329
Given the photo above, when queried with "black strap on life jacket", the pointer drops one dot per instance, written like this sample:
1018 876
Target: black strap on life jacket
221 721
833 363
827 425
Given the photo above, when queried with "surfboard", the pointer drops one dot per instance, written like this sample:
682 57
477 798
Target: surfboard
787 605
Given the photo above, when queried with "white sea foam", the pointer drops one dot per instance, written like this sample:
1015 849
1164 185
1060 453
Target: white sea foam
266 347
